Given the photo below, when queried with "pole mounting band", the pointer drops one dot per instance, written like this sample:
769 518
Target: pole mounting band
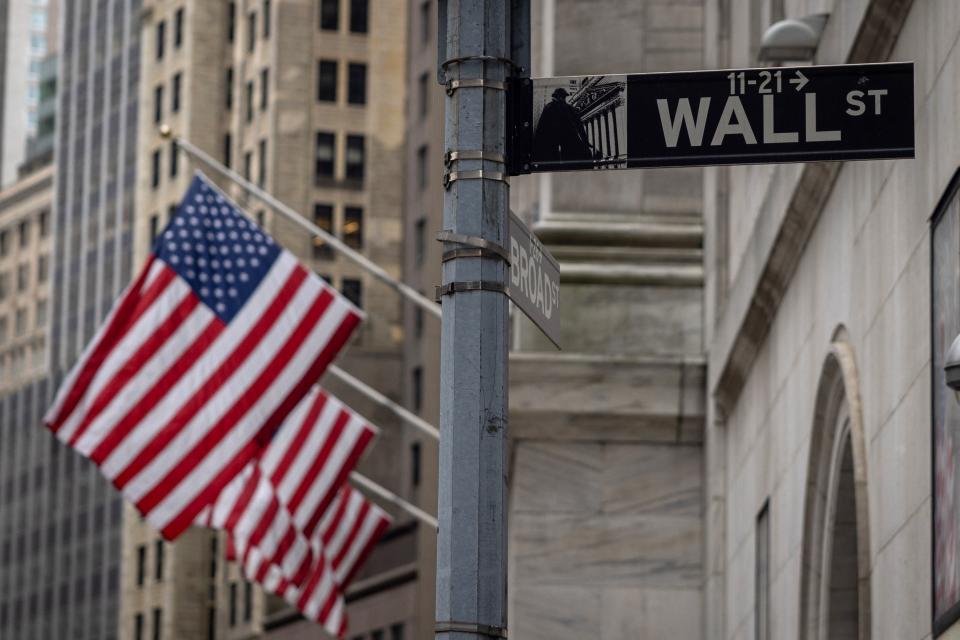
479 58
469 285
473 241
455 156
452 626
482 83
476 174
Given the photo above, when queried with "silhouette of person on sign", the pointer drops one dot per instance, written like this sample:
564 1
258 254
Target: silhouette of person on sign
560 134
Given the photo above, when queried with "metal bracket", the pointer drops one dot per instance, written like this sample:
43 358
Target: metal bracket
483 83
469 285
470 627
455 156
478 58
477 174
485 246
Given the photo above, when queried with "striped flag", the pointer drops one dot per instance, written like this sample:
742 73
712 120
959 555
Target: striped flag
345 538
199 361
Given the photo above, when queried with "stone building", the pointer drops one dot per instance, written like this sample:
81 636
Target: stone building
830 301
306 98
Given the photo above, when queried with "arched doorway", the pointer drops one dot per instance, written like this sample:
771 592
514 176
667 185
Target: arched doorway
835 583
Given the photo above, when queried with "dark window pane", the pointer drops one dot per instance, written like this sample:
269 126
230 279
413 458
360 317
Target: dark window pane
173 158
233 604
231 20
327 81
251 31
358 15
423 92
228 89
262 163
158 104
415 464
250 101
357 83
422 167
155 169
157 623
138 627
355 157
227 149
178 28
158 560
247 165
175 98
266 19
324 156
426 19
353 291
161 36
247 601
141 564
420 239
323 218
329 14
353 227
416 387
264 88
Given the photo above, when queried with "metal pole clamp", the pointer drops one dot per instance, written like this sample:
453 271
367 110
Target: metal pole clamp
470 627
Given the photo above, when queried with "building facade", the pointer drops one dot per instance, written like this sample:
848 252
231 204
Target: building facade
307 100
830 303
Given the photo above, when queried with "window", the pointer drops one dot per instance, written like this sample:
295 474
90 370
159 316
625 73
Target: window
422 167
423 93
23 277
178 28
141 564
353 291
416 388
762 575
4 285
161 36
420 239
227 149
157 623
396 631
3 336
418 321
228 89
233 604
426 19
212 623
261 217
324 157
264 88
158 104
329 15
353 227
173 158
158 560
251 31
323 218
231 20
175 98
138 627
155 169
415 453
358 15
3 243
266 19
247 164
376 635
250 101
262 163
355 157
43 221
247 601
357 83
327 81
43 268
23 231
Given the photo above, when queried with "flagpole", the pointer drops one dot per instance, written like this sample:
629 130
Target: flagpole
407 416
376 270
389 496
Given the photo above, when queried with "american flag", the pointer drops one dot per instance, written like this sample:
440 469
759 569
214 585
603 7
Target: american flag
199 361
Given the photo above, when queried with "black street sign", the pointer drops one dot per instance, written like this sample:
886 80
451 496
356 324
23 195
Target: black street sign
734 116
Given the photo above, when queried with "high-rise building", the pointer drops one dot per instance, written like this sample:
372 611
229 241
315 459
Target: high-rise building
307 100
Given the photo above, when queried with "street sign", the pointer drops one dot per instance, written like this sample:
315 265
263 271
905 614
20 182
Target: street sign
739 116
534 283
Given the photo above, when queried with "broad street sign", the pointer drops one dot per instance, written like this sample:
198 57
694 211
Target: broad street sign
739 116
534 283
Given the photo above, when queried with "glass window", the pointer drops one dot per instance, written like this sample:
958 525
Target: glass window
231 20
43 268
327 81
173 158
158 104
264 88
155 169
357 83
4 285
247 165
262 163
323 218
23 231
420 239
416 388
324 156
43 221
251 30
247 601
227 149
250 101
426 19
158 560
175 97
353 227
178 28
355 157
358 15
228 89
266 19
23 276
3 334
3 243
423 93
233 604
40 315
422 167
141 564
212 623
329 15
138 627
157 623
353 291
161 36
415 464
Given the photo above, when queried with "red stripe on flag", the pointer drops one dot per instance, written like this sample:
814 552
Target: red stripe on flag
341 507
240 505
213 382
127 423
134 363
307 481
299 439
183 520
352 535
378 532
131 307
351 461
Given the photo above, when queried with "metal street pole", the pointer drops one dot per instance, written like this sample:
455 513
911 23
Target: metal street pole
474 48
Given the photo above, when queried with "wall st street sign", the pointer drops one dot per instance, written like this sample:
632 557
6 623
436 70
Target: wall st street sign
739 116
534 283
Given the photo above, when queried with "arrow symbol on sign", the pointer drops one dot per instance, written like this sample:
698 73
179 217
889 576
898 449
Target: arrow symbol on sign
801 80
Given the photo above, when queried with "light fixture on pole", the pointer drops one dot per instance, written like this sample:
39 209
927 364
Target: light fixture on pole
792 40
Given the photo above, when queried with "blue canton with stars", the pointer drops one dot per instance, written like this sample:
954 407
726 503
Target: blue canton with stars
219 252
